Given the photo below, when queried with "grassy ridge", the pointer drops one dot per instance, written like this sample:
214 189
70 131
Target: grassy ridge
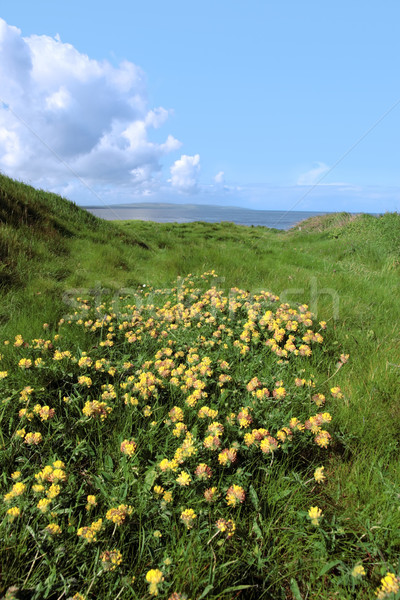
345 268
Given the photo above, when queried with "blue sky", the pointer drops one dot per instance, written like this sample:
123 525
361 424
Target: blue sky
258 104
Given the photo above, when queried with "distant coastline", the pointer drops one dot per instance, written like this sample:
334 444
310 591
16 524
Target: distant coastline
188 213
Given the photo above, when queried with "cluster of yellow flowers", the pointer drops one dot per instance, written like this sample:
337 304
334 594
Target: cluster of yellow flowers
390 584
111 559
188 516
119 514
90 533
181 363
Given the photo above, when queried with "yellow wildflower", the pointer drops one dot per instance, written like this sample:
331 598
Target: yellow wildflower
358 571
315 515
13 512
235 495
157 534
128 447
18 488
95 408
203 471
53 491
336 392
111 559
390 584
319 475
90 533
226 526
119 514
154 577
25 363
279 393
58 464
43 504
38 487
33 438
183 478
188 516
57 475
53 528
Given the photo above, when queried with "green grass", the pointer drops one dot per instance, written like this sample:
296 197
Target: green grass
345 267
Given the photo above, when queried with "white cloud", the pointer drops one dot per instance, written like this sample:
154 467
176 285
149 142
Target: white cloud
60 104
313 176
185 172
220 177
60 100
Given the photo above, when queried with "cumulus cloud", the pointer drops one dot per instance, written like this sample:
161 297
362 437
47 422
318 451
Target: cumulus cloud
62 112
185 172
220 177
313 176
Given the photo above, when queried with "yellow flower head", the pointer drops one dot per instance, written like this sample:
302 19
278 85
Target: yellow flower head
90 533
25 363
167 497
154 577
43 504
203 471
33 438
188 516
53 491
111 559
13 512
183 478
319 475
358 571
118 515
53 529
235 495
336 392
58 464
226 526
128 447
315 514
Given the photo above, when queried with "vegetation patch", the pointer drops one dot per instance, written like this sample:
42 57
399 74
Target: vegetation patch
197 436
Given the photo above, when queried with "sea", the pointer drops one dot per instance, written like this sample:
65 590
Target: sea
188 213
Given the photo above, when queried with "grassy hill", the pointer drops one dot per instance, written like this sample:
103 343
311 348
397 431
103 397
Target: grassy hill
119 294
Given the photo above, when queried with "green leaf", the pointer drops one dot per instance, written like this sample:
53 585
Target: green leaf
254 498
285 493
328 567
205 591
236 588
257 530
108 462
231 562
149 479
295 589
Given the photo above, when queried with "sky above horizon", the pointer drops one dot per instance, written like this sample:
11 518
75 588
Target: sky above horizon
266 105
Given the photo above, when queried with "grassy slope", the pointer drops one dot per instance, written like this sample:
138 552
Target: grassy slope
48 245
